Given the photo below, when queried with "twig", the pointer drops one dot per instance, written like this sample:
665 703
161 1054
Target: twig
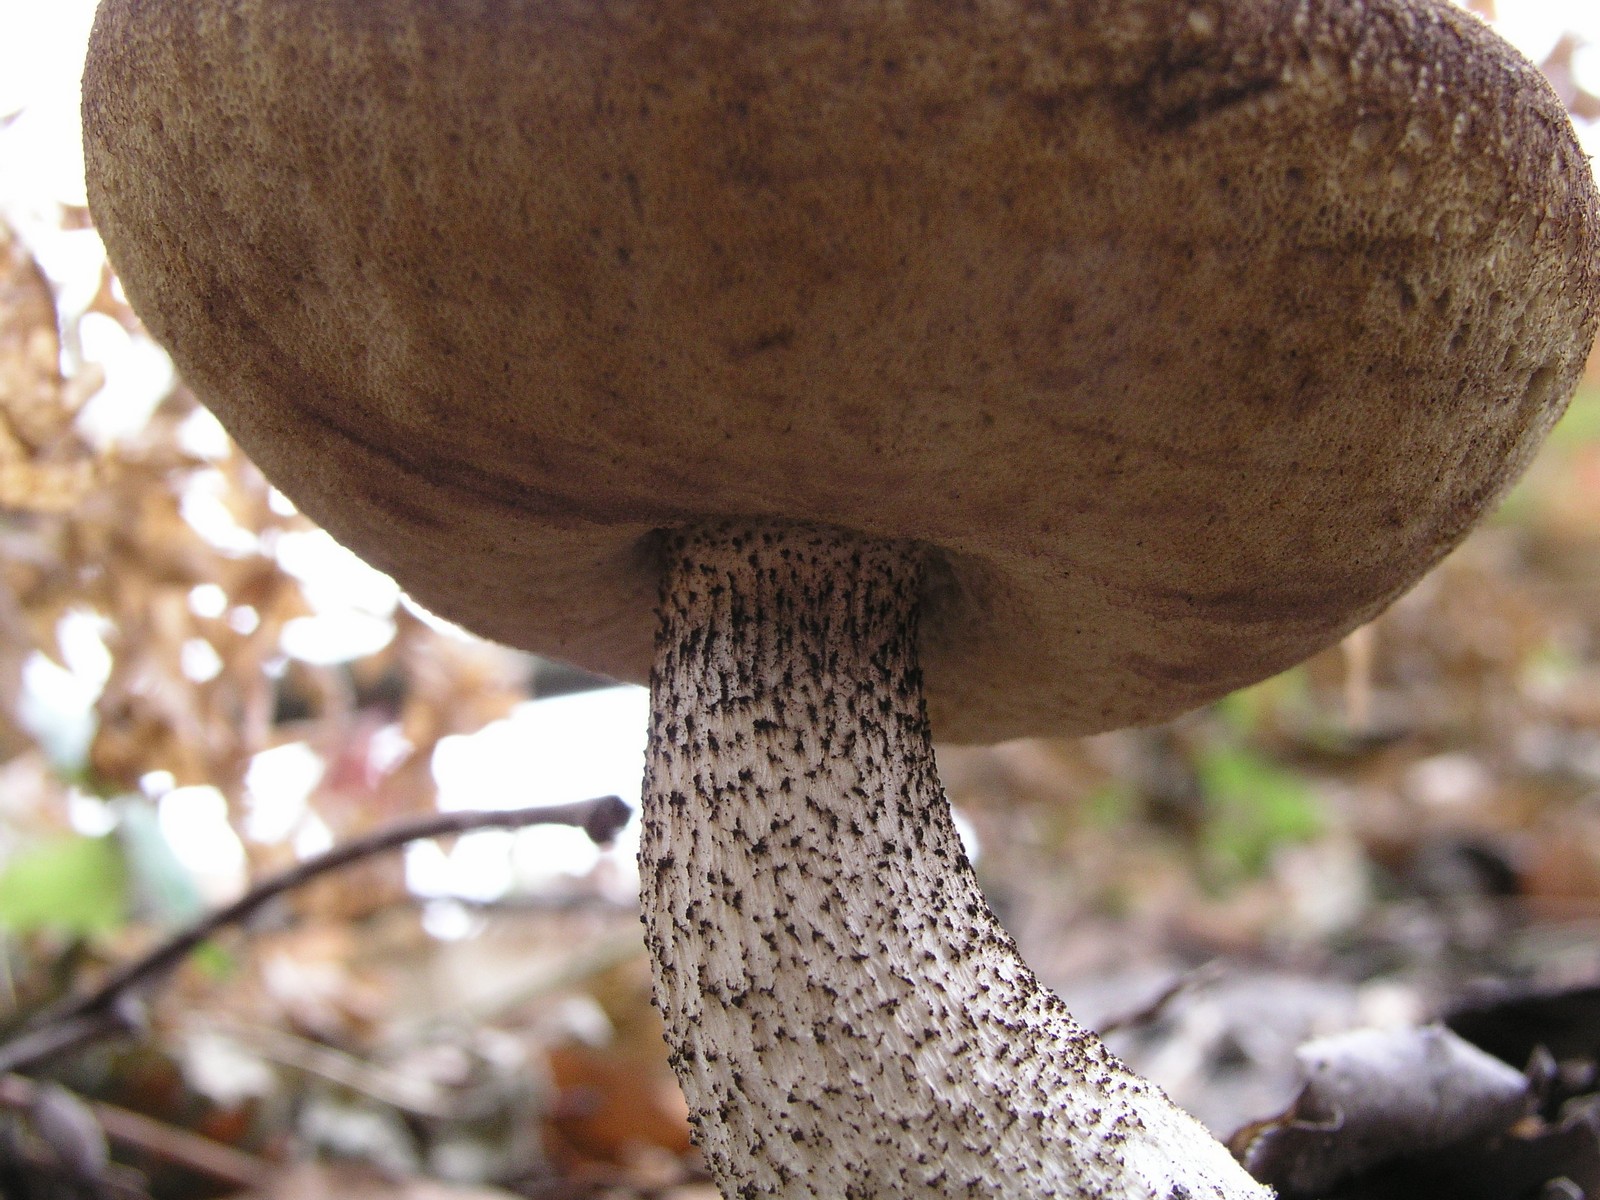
1151 1011
1357 648
113 1007
596 957
407 1093
166 1142
52 1034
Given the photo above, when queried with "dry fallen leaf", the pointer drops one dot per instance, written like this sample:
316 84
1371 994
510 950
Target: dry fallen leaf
1414 1112
346 1181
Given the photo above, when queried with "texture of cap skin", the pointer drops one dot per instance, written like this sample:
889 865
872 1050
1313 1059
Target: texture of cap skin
1185 333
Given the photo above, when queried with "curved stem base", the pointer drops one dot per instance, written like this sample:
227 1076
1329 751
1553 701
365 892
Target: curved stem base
846 1016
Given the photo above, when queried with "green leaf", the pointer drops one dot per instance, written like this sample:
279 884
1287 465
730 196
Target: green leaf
1252 806
214 962
73 885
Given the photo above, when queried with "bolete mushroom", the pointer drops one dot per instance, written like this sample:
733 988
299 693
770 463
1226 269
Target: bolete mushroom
1084 359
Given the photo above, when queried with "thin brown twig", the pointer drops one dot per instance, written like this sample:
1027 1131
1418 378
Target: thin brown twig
411 1094
113 1007
166 1142
1153 1009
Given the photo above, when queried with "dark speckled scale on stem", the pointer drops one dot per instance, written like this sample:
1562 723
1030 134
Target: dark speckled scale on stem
846 1016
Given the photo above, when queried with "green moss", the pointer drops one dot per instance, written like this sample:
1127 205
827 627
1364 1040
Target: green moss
1252 806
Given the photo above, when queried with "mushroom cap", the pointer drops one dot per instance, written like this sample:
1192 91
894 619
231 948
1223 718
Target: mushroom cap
1184 334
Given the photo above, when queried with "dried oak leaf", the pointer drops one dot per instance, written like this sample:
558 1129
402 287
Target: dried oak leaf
349 1181
30 348
44 466
1382 1105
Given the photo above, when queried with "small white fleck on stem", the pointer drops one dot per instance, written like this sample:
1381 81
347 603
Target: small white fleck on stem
847 1017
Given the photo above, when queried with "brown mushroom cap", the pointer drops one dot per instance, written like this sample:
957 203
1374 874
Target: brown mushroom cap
1186 333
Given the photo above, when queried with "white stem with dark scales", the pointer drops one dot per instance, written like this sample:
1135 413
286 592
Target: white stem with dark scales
847 1017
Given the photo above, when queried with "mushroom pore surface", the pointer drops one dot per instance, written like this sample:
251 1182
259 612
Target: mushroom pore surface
1181 334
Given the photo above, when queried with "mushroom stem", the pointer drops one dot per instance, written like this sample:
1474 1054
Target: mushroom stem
846 1016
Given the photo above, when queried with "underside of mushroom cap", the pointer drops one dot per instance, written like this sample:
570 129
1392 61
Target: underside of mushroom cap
1185 333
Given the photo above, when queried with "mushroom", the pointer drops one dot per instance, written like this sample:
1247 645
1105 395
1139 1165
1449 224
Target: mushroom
865 372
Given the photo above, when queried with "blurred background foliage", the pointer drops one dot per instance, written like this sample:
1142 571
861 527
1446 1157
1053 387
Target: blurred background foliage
196 689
